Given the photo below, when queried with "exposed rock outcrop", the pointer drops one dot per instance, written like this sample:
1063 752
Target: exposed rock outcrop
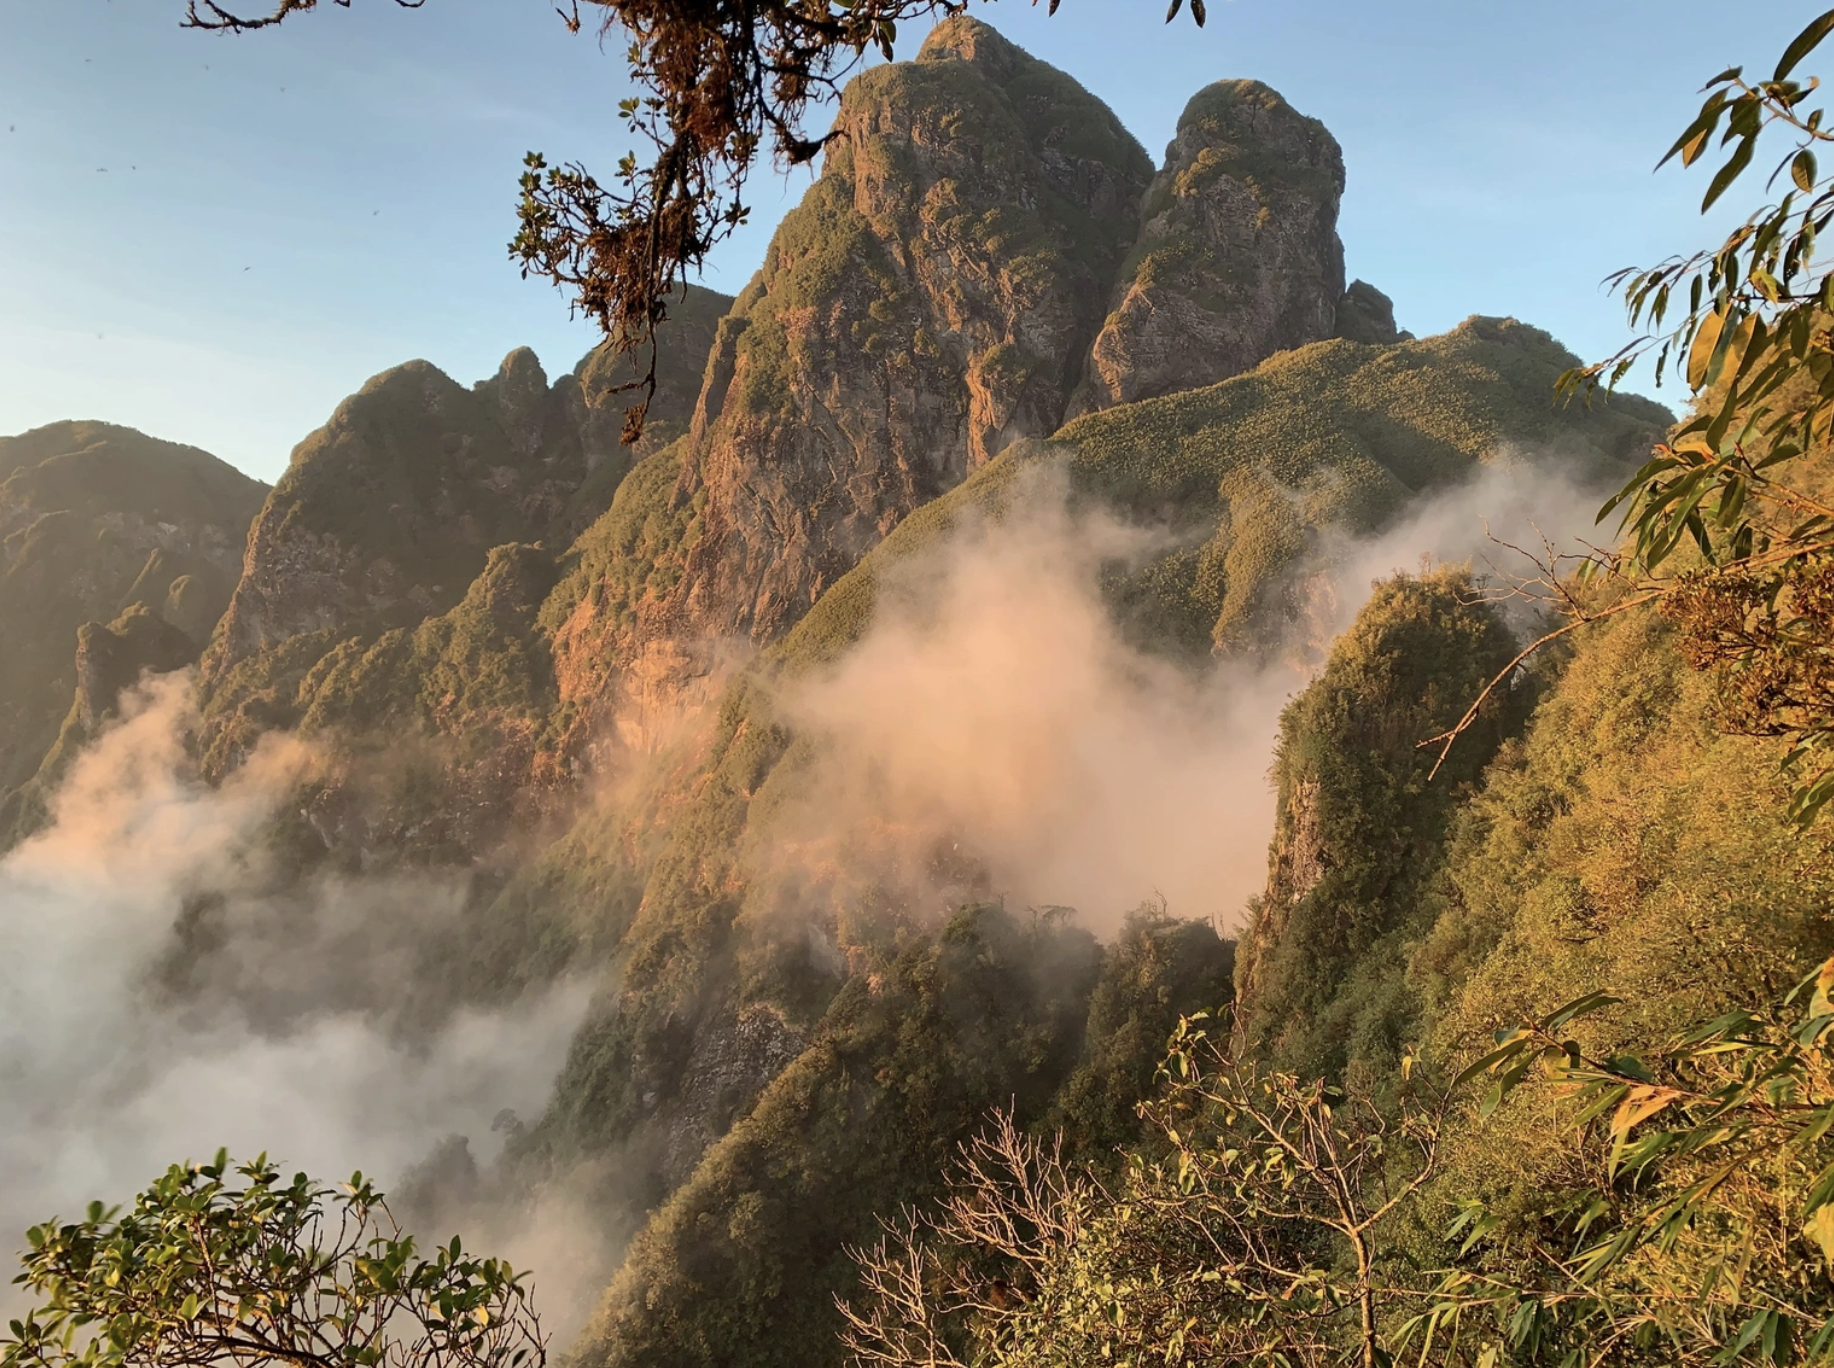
112 658
1237 257
608 381
388 513
929 303
1365 314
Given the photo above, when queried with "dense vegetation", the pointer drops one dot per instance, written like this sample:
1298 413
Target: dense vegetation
1642 1175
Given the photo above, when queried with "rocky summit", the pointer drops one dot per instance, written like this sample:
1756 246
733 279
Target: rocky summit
930 302
1237 255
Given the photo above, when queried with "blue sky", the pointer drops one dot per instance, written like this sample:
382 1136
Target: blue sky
216 238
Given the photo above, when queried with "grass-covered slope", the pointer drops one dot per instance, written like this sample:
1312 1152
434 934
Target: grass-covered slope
1338 436
1335 434
1615 841
94 520
992 1010
1625 846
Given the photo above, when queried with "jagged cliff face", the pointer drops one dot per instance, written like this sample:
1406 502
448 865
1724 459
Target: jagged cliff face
96 520
388 513
929 303
1237 255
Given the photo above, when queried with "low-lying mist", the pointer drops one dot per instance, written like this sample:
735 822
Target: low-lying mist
108 1075
994 708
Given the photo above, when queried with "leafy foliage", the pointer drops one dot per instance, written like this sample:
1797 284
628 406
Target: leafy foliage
1259 1238
1741 483
1706 1231
1276 1229
217 1264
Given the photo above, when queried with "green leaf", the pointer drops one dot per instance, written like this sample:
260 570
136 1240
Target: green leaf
1734 167
1513 1046
1694 139
1804 43
1578 1007
1820 1231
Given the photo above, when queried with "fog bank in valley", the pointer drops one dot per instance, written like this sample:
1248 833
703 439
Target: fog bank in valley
109 1075
994 710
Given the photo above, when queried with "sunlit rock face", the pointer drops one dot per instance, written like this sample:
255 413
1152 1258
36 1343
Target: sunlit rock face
1365 314
387 515
1237 256
930 302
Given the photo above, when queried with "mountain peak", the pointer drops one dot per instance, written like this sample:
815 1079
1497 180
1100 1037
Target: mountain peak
969 40
1237 256
521 367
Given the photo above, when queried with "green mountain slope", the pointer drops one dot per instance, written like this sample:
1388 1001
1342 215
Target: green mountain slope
719 981
392 580
1624 845
1617 841
1362 823
990 1011
95 521
1250 471
553 664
